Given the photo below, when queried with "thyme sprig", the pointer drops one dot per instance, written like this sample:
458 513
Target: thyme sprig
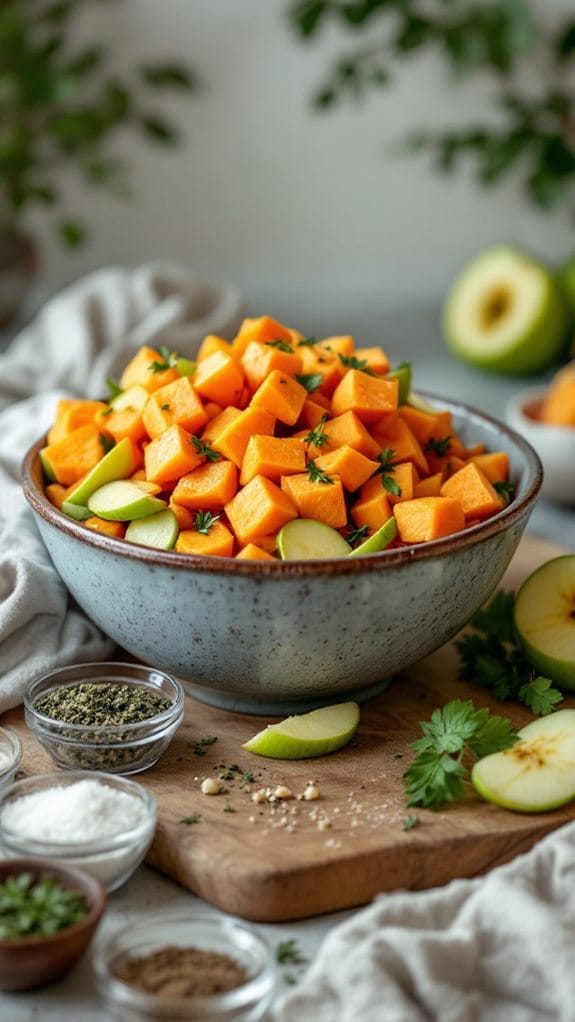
206 450
317 436
317 475
204 521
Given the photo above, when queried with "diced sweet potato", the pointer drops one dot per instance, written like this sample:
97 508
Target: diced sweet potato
476 495
352 467
259 359
143 370
171 455
258 509
272 457
252 552
220 378
218 542
324 502
176 404
370 397
282 396
210 486
263 328
426 518
232 439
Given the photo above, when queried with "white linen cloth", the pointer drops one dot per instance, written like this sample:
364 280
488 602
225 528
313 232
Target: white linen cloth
83 335
496 949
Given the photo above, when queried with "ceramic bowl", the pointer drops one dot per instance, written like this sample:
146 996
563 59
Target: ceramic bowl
283 636
116 749
555 445
206 933
33 961
109 858
10 756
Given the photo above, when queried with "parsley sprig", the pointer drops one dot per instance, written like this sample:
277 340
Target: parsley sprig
386 470
311 381
169 360
280 345
307 342
352 362
452 736
317 475
490 655
438 445
357 535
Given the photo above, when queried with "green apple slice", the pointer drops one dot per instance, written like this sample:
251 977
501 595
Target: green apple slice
304 539
545 619
118 463
122 500
401 373
159 531
378 541
46 464
505 313
535 774
185 366
307 735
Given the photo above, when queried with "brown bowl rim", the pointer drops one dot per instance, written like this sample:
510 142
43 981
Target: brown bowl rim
511 514
93 891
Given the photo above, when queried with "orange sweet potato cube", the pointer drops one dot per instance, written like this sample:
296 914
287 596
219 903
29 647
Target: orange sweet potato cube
340 344
263 328
372 508
218 542
495 465
170 456
176 404
348 429
258 509
186 518
252 552
472 489
430 486
210 486
260 358
211 343
282 396
394 434
220 378
218 423
324 502
74 454
375 358
319 361
426 425
272 457
370 397
142 370
352 467
107 528
232 439
426 518
71 413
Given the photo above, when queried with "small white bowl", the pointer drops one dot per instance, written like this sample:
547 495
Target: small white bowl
111 859
10 756
555 445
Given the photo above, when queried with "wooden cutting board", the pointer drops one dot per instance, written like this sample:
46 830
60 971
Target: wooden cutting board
299 858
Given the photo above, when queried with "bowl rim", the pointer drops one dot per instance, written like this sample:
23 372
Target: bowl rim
11 739
94 892
277 569
77 849
153 726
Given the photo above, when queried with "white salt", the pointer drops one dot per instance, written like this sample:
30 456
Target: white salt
81 812
5 761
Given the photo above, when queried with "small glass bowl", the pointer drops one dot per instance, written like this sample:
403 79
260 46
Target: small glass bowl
116 749
10 756
248 1002
110 859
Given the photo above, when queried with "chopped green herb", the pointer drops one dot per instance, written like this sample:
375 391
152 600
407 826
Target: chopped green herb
204 521
410 821
437 446
199 748
317 435
229 809
189 820
489 655
165 408
505 489
317 475
169 360
114 388
438 773
311 381
107 442
288 953
357 535
351 362
248 777
37 906
307 342
386 470
281 346
205 449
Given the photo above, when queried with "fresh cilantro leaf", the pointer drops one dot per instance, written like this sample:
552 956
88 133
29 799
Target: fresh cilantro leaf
439 773
540 696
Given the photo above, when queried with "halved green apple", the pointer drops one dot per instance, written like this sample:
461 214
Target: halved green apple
304 539
308 734
159 530
378 541
118 463
544 615
535 774
122 501
505 312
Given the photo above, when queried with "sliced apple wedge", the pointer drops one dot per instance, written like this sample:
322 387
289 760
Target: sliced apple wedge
308 734
303 539
159 531
535 774
118 463
545 619
122 501
378 541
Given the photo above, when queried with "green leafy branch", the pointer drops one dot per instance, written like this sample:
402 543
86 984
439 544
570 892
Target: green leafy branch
531 130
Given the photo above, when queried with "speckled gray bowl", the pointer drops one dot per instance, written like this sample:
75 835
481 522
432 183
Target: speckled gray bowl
283 636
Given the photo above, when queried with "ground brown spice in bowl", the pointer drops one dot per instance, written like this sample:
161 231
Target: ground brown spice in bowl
182 971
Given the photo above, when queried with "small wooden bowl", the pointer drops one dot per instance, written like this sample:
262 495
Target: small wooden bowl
33 961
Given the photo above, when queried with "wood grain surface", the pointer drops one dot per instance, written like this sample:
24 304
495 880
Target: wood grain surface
299 858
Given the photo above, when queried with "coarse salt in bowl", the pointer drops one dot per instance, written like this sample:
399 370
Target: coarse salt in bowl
100 822
10 756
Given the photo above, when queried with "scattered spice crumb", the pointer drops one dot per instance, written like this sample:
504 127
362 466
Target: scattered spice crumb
199 748
229 809
193 818
410 821
288 953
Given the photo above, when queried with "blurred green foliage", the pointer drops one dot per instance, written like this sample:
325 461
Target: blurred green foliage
59 105
530 130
